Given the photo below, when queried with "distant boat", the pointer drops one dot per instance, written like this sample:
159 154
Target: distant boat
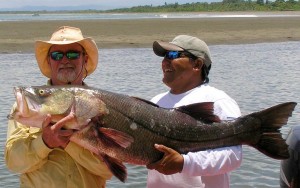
36 14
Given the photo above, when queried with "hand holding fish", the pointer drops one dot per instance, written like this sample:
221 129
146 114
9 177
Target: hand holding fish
171 163
53 135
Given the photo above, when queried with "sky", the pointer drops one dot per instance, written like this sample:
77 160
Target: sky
84 4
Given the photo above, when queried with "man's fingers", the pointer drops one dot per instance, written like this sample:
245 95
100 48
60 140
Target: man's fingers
66 133
58 125
158 164
154 165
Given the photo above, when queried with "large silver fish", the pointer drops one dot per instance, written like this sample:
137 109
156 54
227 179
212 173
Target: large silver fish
119 128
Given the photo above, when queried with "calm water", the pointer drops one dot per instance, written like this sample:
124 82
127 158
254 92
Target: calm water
97 16
256 75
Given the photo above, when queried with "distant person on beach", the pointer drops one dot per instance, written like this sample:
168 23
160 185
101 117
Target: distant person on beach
46 157
185 66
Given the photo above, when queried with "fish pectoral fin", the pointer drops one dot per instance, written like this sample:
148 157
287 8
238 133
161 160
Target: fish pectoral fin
201 111
115 137
117 168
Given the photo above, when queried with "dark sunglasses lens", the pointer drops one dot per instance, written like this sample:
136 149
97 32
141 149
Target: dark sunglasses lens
57 55
73 55
172 54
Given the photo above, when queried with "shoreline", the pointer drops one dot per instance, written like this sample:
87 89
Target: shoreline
19 36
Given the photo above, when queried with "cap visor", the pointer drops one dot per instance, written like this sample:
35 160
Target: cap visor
160 48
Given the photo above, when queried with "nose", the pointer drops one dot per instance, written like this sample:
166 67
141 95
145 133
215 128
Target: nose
64 60
165 63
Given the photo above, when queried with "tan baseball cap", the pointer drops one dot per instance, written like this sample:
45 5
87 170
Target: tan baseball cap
193 45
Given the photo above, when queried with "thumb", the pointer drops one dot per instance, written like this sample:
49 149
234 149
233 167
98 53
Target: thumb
162 148
46 121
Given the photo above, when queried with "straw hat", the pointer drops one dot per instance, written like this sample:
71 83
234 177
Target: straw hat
66 35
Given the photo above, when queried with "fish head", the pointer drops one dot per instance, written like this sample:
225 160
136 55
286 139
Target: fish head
35 102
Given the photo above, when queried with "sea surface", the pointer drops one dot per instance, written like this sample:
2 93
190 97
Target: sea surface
100 16
257 76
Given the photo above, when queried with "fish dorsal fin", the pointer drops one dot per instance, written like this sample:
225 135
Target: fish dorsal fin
146 101
201 111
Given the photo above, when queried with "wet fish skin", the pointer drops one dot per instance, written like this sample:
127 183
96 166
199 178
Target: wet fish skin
125 129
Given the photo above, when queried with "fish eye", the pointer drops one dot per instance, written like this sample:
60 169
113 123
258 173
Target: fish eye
42 92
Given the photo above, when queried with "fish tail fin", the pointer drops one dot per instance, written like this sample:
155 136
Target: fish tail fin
271 142
273 145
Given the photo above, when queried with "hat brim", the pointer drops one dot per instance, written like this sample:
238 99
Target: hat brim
160 48
42 49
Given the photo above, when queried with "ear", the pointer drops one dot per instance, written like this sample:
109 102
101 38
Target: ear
48 60
86 57
198 63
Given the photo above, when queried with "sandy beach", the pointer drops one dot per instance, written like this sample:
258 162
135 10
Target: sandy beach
19 37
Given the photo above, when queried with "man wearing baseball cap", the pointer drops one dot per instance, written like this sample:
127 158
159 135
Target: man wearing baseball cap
186 64
46 157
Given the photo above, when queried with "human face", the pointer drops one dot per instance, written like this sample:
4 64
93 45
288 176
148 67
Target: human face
65 70
181 74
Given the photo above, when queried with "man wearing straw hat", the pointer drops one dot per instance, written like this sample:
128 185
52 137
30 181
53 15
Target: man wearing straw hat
46 157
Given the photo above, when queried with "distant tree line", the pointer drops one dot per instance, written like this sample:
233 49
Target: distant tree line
225 5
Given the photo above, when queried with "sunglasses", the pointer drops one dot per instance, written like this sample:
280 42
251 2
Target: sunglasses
56 56
176 54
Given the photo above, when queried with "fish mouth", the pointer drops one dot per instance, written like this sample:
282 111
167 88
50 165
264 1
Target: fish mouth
26 105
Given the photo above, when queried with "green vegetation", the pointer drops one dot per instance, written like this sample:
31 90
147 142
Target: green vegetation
225 5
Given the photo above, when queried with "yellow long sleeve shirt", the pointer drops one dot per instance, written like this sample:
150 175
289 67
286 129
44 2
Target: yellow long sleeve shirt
40 166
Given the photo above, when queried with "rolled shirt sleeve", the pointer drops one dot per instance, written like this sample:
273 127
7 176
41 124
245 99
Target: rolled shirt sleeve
212 162
25 150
